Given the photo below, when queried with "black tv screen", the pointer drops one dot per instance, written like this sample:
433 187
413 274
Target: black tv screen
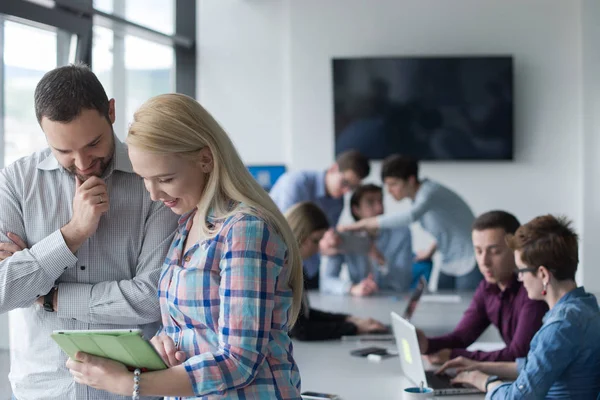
429 108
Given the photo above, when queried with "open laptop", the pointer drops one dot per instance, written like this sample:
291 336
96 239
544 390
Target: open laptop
387 335
414 299
412 363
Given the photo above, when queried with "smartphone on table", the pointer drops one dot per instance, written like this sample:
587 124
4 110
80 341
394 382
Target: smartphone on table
319 396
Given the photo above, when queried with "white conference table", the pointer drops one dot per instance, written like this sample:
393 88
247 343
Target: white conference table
328 367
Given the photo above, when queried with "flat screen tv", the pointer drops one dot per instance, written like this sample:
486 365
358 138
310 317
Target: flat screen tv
429 108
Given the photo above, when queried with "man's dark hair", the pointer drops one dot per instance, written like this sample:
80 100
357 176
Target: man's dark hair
63 93
354 161
497 219
401 167
359 193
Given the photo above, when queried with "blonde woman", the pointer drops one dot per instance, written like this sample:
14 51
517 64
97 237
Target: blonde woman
231 286
309 224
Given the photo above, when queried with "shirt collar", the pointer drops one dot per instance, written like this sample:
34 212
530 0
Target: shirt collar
120 161
211 218
184 218
513 286
573 294
321 189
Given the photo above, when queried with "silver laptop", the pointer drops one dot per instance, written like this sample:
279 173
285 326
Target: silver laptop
412 363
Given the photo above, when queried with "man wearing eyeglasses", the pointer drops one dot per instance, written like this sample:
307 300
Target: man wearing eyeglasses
500 300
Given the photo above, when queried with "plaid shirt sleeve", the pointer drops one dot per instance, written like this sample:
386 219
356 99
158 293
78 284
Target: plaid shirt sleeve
252 259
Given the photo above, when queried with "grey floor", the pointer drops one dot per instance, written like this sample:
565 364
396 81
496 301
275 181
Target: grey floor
5 392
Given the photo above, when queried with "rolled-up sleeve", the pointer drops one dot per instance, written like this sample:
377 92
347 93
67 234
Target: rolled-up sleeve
549 356
32 272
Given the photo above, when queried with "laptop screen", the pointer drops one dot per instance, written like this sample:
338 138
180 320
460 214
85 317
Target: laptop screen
414 299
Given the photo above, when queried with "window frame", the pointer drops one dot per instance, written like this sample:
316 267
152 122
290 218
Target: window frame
76 17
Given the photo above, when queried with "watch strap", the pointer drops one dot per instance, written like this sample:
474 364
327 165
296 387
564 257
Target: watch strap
49 300
491 379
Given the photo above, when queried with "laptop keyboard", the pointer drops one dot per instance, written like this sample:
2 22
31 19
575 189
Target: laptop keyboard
442 386
438 381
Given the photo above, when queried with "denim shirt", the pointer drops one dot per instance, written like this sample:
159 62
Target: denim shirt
564 359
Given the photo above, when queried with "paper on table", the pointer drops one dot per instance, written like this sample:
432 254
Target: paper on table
486 346
440 298
369 338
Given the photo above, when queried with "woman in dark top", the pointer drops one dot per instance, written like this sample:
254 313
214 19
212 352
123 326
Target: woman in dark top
308 225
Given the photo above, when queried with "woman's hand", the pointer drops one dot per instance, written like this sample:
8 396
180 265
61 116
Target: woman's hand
460 363
476 379
165 347
101 373
367 325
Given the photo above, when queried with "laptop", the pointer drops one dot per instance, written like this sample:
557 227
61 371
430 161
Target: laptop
414 299
387 336
412 363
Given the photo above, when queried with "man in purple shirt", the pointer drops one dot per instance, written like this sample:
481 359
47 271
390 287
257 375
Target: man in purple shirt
500 300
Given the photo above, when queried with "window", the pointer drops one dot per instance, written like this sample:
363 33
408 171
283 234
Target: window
158 15
103 59
22 71
131 69
149 72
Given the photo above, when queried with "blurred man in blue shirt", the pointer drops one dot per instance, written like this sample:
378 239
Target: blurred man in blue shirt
366 274
326 189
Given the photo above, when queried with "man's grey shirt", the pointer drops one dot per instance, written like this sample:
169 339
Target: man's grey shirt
111 281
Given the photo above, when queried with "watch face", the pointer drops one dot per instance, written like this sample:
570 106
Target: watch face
48 307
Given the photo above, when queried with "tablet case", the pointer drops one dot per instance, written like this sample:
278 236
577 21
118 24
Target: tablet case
127 348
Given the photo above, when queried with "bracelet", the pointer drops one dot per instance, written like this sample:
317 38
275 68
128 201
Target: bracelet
136 384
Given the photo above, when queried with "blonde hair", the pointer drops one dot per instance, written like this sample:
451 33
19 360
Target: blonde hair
305 218
178 124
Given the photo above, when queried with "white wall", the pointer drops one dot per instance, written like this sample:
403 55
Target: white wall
265 72
240 73
590 177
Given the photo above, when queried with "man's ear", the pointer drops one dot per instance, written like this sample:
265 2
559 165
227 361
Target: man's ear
111 111
412 180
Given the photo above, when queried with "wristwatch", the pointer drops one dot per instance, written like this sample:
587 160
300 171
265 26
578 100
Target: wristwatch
49 300
491 379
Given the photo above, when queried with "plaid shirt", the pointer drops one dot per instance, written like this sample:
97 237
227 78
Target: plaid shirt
226 303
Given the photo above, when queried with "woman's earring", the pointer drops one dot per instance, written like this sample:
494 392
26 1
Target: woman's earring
544 292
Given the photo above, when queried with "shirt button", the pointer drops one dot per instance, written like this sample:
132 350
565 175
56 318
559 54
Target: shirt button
82 267
187 258
521 387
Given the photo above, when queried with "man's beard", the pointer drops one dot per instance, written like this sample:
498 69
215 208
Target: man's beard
104 162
